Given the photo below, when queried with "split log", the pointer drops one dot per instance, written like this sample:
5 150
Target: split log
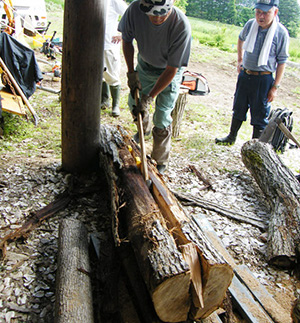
73 290
177 113
165 272
168 248
208 286
282 192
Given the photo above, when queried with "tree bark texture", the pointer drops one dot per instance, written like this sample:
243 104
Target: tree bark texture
73 291
168 254
282 191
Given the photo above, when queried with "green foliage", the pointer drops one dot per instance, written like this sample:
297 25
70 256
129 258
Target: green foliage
289 15
238 12
244 15
215 34
181 4
50 3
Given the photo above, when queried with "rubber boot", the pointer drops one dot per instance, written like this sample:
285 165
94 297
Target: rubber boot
161 147
115 94
230 139
104 96
256 132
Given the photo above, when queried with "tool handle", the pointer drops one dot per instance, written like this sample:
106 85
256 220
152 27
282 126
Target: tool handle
286 131
142 139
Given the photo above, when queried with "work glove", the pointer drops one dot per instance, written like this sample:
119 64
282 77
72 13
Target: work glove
143 106
133 82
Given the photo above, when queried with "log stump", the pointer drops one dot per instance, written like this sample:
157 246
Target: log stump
282 192
177 113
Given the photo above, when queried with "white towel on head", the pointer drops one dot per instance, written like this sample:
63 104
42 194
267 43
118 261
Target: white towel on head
265 50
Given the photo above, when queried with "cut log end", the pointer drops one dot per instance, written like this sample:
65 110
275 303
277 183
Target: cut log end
220 277
171 299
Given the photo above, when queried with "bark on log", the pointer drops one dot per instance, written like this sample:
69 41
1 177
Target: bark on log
73 291
282 191
151 226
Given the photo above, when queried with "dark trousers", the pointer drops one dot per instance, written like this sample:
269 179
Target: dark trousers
252 93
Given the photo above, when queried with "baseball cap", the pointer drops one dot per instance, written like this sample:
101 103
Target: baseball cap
266 5
156 8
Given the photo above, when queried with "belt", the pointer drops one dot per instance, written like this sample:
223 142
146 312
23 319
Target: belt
256 72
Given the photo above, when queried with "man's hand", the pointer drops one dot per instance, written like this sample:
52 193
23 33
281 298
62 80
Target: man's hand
133 82
116 39
143 106
272 94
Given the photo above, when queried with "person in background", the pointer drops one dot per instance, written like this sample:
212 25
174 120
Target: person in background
262 50
111 83
163 36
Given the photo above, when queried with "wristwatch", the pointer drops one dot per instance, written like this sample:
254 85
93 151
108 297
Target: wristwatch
277 86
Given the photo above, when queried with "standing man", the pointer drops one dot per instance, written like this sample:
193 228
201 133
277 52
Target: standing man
163 36
262 50
112 64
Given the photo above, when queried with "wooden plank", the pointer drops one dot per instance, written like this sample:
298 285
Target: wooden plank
10 103
245 303
259 294
262 296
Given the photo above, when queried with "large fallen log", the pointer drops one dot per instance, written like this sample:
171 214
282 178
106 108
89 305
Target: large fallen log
173 259
282 192
165 272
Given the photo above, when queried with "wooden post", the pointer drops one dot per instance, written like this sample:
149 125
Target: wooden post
82 69
177 113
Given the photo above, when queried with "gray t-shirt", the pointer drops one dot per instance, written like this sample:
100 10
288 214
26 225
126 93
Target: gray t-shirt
279 48
158 45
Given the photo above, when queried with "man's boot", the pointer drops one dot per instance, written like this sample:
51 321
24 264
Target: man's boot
256 132
115 94
104 96
234 128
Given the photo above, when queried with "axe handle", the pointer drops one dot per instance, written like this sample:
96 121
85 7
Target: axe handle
286 132
142 138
